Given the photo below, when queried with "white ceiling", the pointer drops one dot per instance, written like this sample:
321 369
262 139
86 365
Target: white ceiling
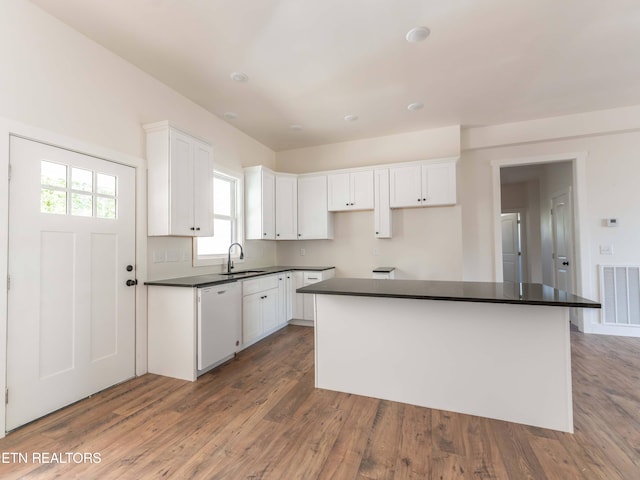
311 62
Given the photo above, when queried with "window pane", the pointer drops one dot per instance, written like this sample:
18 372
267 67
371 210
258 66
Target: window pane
81 204
218 244
53 201
81 179
106 207
106 184
53 174
222 190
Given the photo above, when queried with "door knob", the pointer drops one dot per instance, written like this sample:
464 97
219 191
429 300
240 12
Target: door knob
131 283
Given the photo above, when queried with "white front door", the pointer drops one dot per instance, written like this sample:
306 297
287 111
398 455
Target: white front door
511 253
562 240
71 315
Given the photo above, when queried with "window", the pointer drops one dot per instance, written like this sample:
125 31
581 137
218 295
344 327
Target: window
67 190
227 221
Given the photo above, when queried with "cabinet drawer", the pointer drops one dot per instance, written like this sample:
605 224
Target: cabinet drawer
312 277
259 284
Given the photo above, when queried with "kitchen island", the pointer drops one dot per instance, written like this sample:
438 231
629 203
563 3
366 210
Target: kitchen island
478 348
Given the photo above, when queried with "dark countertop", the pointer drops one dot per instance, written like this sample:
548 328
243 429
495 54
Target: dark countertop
486 292
218 279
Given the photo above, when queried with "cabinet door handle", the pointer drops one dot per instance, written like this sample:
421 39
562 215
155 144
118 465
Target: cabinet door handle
221 292
277 234
352 204
419 200
197 228
192 228
299 234
424 199
347 204
312 278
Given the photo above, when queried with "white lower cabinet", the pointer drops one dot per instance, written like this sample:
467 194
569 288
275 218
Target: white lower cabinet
259 308
290 295
303 305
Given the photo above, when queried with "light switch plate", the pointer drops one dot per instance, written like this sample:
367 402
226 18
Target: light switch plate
158 257
606 249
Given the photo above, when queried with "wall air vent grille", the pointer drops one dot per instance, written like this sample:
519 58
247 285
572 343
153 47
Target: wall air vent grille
620 294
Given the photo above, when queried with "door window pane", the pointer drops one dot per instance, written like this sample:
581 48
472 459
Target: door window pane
106 184
53 174
82 179
53 201
106 207
81 204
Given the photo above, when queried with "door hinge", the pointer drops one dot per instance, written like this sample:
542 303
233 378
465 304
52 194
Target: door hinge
6 396
9 173
8 282
552 211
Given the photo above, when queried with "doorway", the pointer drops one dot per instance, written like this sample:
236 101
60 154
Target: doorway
541 270
71 314
532 189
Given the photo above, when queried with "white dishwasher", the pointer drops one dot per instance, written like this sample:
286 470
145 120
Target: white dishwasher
219 324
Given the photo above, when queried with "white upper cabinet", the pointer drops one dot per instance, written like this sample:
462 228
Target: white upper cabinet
351 191
314 220
179 183
382 210
422 185
286 207
260 196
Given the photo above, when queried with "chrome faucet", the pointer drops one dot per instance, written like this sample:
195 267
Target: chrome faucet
229 262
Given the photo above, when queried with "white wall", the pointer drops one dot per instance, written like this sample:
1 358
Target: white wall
611 179
404 147
57 79
426 243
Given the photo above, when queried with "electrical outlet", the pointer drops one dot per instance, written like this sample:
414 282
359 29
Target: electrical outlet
173 256
158 257
186 256
376 251
303 252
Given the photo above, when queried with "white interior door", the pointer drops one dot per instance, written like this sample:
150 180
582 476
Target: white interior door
71 315
511 257
562 240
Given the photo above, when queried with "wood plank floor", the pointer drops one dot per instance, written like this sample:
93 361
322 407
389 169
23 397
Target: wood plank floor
259 417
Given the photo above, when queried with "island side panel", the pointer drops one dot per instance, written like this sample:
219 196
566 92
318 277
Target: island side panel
508 362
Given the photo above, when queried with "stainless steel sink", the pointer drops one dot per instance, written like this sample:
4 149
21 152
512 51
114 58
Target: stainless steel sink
243 272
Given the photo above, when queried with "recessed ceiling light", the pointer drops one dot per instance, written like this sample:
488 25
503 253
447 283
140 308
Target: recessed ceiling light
351 118
417 34
230 115
415 106
295 127
239 77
